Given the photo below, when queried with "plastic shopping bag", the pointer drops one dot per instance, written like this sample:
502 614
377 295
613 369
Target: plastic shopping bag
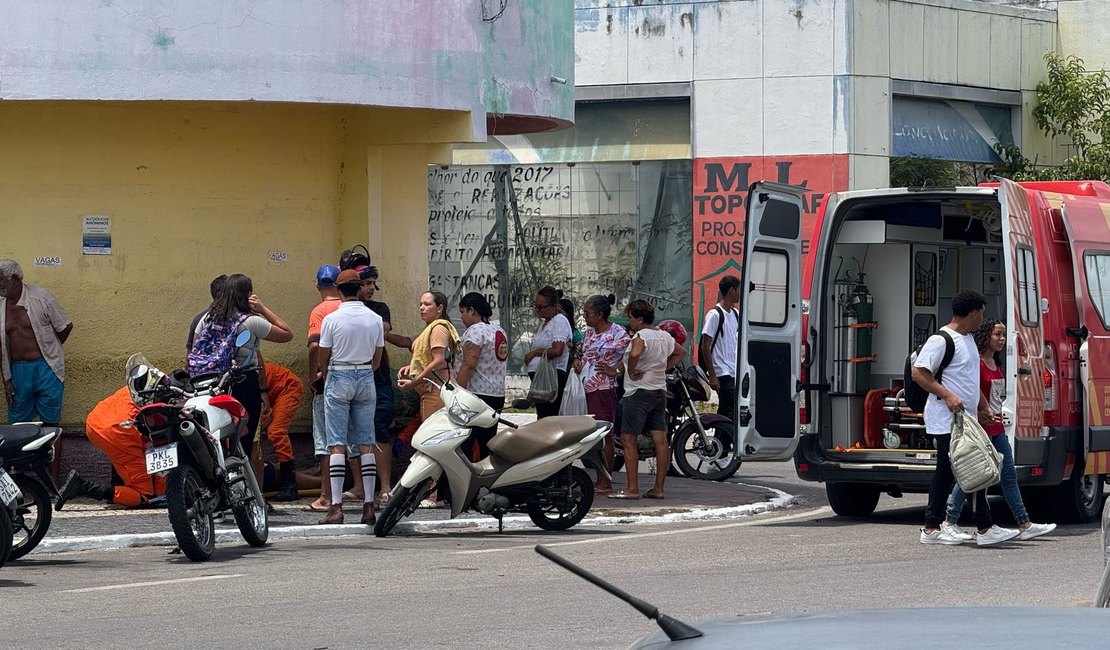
545 383
976 464
574 396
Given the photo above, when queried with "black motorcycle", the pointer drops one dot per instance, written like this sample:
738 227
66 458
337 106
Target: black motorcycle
701 443
26 451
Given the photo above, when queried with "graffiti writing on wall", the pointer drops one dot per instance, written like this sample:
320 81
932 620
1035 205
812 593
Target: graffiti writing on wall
505 231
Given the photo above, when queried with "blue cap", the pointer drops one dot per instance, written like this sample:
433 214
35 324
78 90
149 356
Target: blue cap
326 275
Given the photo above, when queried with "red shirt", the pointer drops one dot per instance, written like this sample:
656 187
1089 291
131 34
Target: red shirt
992 384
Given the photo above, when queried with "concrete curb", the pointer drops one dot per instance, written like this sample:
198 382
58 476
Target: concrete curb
108 542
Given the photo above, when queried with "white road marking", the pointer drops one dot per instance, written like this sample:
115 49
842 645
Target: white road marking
153 583
662 533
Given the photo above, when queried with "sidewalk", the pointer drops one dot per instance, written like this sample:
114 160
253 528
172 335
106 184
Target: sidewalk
87 525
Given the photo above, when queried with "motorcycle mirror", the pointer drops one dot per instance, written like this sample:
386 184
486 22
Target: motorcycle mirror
522 404
242 338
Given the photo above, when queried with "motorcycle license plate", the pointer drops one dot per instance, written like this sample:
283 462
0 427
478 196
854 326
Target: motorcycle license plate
161 459
9 491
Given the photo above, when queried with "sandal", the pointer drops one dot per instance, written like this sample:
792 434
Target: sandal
631 496
383 500
429 504
652 494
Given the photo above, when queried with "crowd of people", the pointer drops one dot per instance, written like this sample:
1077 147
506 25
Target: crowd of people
622 372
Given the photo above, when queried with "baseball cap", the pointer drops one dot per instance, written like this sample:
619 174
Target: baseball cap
349 276
326 275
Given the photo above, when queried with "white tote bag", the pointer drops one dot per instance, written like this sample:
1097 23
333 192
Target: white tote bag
574 396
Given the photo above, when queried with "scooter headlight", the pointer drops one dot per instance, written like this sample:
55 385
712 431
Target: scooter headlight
459 414
445 436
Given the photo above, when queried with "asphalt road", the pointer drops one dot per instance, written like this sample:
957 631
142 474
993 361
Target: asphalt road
464 589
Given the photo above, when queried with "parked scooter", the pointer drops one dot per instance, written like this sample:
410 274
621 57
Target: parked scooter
9 497
701 443
193 428
529 469
26 451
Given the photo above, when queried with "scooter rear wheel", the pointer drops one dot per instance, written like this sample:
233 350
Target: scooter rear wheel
5 534
192 523
402 503
571 497
34 513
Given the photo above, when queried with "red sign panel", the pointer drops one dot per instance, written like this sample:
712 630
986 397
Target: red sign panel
720 188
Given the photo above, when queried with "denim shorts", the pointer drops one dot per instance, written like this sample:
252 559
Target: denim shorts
349 402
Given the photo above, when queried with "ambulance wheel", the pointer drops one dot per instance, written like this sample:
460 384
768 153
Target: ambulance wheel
1078 499
852 499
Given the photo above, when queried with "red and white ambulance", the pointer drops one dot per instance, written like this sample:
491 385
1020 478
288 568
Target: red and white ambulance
823 347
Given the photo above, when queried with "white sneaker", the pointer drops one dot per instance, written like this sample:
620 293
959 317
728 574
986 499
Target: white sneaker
955 531
995 535
1036 530
939 537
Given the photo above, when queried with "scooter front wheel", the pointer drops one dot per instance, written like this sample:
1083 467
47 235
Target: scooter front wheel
189 516
569 497
33 514
5 534
402 503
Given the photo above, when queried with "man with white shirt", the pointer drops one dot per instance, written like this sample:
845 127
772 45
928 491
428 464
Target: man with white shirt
717 347
351 342
953 388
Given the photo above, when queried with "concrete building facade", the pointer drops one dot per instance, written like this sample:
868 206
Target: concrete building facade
721 93
252 138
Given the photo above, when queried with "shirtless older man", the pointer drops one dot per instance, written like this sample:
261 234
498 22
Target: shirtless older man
33 327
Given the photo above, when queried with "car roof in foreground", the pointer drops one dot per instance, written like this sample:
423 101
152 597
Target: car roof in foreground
983 628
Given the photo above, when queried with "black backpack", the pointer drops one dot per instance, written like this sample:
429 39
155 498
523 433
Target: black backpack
914 394
716 336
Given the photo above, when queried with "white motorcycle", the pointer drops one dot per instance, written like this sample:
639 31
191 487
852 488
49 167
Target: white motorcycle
529 469
192 430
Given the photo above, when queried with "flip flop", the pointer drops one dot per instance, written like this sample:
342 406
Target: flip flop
351 496
650 494
598 490
312 507
631 496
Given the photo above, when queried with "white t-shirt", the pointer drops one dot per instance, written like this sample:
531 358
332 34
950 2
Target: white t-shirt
247 355
489 377
961 377
556 329
658 345
724 346
353 332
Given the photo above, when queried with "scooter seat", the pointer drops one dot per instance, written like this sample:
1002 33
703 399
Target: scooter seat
541 437
13 437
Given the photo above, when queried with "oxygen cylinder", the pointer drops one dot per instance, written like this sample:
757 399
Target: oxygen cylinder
862 306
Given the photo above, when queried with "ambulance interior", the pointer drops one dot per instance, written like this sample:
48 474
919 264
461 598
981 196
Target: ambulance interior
892 272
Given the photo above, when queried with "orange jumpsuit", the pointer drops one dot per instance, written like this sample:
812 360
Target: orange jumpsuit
286 393
124 448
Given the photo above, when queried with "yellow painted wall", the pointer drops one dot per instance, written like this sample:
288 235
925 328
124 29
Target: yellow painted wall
199 189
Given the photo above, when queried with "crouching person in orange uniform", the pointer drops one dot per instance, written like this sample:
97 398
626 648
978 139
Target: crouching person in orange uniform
285 392
124 448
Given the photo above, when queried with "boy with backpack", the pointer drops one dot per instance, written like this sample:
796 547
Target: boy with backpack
717 347
953 389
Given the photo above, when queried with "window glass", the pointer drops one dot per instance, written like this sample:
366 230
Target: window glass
1097 269
1029 308
769 273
